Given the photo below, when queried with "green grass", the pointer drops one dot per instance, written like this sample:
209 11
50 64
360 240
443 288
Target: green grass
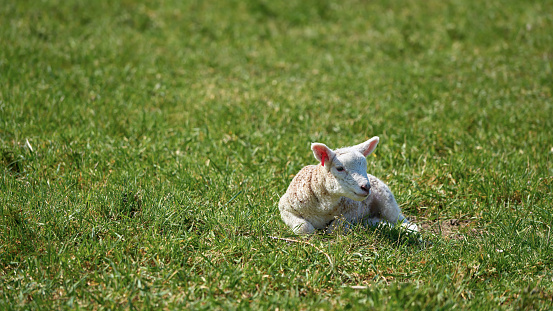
162 134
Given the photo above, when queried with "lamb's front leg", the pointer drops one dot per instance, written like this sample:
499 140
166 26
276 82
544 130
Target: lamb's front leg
385 206
339 224
354 213
298 224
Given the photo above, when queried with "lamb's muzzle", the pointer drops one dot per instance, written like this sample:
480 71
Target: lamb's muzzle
366 188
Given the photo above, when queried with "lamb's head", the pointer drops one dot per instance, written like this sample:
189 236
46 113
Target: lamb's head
346 168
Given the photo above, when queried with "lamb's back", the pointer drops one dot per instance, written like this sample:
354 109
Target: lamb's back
300 195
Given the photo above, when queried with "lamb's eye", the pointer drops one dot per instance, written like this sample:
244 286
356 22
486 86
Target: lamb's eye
340 168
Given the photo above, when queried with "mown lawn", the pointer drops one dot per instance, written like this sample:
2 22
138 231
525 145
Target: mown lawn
144 146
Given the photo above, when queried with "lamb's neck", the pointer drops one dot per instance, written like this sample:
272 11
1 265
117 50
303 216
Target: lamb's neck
327 201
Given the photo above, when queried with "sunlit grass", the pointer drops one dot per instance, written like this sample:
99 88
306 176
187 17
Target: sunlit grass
144 147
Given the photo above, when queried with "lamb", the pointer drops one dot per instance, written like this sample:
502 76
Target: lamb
339 193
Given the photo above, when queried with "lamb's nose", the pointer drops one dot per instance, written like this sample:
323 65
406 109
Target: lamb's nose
366 187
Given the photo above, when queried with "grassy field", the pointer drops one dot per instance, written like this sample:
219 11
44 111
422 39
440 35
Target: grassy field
144 146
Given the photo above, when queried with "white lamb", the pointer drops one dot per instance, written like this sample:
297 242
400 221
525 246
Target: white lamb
338 193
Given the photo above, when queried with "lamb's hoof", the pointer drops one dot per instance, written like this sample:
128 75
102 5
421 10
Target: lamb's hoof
412 231
410 227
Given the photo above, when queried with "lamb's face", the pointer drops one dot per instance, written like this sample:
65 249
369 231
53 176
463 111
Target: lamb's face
346 168
347 175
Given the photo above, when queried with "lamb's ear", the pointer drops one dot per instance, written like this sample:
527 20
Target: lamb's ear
322 153
368 147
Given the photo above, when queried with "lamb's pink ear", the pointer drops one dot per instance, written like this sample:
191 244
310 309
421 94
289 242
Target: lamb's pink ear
368 147
322 153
